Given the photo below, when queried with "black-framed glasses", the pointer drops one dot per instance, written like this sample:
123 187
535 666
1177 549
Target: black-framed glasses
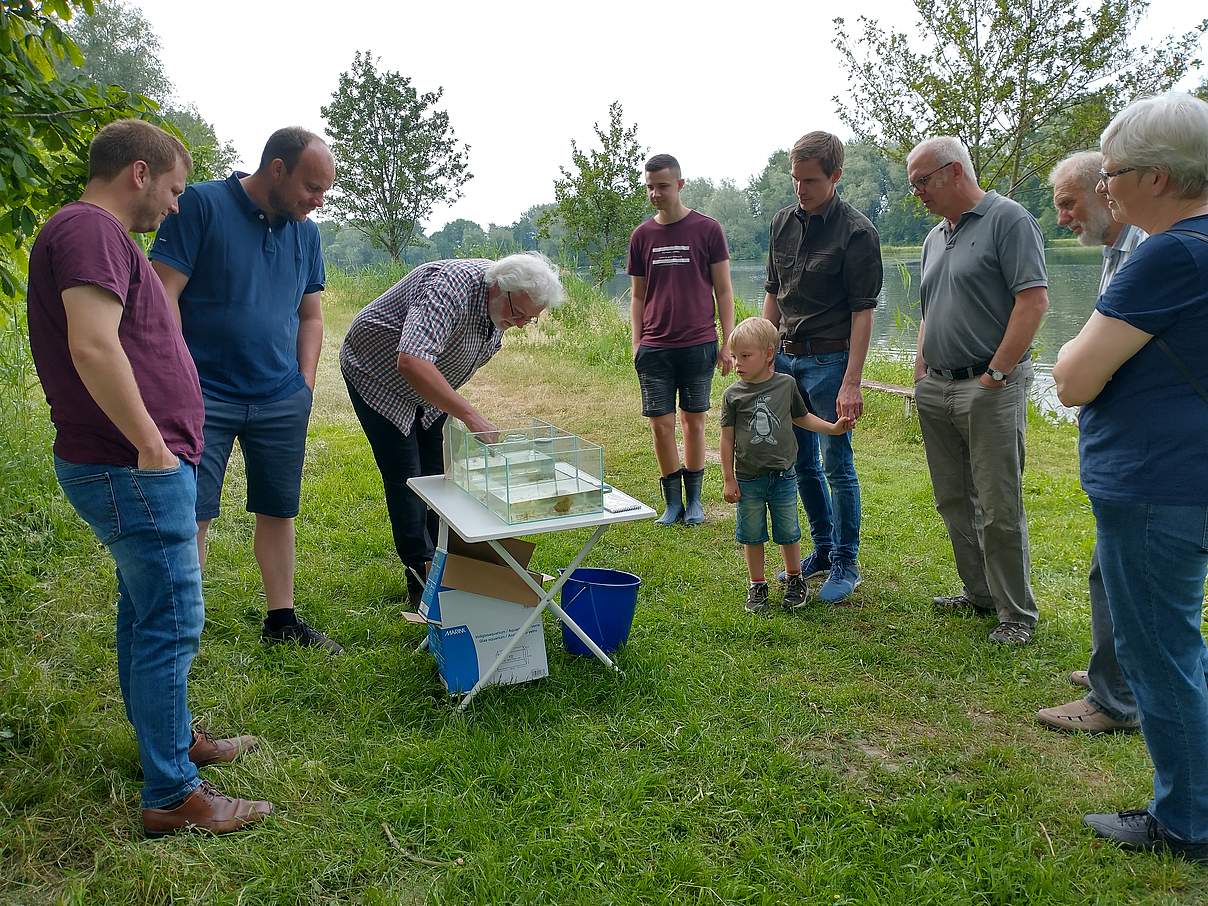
526 321
920 184
1105 175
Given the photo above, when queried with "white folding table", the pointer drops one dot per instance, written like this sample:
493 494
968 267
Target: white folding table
473 522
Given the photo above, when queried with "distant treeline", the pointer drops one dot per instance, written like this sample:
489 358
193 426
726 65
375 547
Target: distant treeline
874 184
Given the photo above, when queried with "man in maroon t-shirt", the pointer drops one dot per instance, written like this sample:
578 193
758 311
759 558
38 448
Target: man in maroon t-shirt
127 411
680 270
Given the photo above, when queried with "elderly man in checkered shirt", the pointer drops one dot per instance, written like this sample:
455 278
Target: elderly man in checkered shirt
408 351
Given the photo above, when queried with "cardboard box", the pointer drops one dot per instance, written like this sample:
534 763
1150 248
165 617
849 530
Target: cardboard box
474 605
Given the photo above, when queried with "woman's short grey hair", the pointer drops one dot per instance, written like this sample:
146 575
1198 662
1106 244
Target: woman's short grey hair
1167 132
530 273
946 150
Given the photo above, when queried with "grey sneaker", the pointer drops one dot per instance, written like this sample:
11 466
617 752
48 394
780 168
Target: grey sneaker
757 597
1138 830
794 592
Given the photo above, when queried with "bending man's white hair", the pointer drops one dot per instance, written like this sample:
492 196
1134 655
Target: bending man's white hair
530 273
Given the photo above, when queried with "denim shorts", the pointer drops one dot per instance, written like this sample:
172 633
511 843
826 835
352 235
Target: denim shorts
273 440
774 493
687 370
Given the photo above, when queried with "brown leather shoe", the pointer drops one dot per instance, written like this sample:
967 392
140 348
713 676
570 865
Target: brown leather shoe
209 749
205 809
1081 678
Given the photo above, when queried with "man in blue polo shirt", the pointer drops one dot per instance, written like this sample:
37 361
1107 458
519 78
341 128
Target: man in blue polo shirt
244 266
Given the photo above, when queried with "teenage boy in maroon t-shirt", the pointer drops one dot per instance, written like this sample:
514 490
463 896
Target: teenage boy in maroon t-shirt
680 270
126 406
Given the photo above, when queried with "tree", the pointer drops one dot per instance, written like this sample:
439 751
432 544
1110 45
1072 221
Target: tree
696 192
865 181
1020 82
212 157
396 155
453 235
121 48
45 123
603 198
731 207
772 189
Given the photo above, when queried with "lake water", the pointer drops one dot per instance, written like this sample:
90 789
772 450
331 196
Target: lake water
1073 289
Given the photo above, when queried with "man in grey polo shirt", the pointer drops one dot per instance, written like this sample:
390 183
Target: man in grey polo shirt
1109 704
984 291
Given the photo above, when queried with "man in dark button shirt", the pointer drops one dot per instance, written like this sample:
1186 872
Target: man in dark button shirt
824 275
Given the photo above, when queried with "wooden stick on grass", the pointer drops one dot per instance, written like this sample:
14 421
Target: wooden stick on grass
407 854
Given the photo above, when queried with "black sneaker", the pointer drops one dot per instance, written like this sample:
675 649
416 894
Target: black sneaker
794 592
300 634
757 597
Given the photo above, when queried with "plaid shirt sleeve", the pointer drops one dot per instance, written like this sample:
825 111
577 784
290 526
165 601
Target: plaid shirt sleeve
432 316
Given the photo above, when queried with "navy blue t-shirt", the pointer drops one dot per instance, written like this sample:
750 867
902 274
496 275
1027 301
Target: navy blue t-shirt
1143 437
247 276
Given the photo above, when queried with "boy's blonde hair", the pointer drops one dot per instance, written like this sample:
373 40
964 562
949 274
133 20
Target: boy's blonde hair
755 333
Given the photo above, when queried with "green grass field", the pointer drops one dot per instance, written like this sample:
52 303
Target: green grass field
880 753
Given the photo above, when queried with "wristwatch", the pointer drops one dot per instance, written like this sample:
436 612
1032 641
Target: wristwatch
996 375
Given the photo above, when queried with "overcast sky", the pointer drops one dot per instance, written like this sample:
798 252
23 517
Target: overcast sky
721 86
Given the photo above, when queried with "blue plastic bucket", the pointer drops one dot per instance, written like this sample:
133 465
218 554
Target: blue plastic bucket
602 602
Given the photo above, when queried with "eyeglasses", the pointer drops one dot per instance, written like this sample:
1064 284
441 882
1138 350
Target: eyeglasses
920 184
1105 175
525 322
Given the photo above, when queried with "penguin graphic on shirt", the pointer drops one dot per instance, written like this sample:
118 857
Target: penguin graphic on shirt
764 423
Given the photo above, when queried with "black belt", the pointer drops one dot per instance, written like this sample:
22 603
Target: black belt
959 374
813 347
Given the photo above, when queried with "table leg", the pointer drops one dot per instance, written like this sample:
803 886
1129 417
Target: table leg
546 600
485 678
583 637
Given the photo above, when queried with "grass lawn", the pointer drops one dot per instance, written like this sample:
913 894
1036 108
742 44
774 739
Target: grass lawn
880 753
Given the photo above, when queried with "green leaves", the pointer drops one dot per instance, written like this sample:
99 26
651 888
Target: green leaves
45 124
396 155
1020 82
602 198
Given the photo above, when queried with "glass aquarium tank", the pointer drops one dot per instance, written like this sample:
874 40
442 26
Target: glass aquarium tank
527 472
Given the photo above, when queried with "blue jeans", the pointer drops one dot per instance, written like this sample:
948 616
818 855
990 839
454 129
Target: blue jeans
830 491
1154 560
145 517
774 493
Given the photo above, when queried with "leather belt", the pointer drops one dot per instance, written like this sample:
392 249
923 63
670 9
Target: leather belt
813 347
959 374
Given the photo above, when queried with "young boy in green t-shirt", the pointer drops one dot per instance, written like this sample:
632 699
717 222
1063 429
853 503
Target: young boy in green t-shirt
758 456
